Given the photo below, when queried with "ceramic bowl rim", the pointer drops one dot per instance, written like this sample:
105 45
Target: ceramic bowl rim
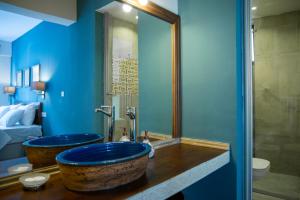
60 157
99 138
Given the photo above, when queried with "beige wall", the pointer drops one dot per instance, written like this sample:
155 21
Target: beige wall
57 11
277 91
126 31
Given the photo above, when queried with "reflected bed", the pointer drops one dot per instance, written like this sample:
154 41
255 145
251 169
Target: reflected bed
11 139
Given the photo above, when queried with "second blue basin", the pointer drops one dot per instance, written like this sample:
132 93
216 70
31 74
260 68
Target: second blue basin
41 152
64 140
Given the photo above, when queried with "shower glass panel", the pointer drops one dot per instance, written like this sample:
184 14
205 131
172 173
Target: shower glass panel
277 103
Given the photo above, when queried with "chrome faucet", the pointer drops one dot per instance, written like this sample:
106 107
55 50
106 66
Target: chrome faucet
131 113
109 111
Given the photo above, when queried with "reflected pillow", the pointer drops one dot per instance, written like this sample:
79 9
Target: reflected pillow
3 110
11 107
28 115
36 105
11 117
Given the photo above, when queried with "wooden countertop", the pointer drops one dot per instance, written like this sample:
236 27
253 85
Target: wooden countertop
169 162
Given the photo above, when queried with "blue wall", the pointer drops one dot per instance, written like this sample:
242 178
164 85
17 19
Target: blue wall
211 88
71 61
155 74
211 80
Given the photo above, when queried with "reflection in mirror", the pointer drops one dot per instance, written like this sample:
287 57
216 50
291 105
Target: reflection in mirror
138 72
52 108
41 113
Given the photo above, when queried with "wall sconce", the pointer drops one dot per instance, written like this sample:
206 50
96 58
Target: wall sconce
10 90
39 86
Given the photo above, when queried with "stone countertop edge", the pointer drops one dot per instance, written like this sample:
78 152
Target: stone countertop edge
183 180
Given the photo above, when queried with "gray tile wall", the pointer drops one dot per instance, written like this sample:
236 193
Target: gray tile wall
277 91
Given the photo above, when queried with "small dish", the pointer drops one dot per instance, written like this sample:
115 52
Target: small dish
20 168
33 181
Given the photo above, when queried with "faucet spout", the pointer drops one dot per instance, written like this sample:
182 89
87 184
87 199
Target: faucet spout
131 113
109 111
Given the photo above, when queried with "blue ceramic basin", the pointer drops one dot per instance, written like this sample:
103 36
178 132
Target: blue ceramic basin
64 140
103 154
102 166
41 152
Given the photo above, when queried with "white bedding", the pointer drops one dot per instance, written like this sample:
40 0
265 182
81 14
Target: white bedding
18 133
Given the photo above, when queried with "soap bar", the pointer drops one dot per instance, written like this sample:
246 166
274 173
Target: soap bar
124 139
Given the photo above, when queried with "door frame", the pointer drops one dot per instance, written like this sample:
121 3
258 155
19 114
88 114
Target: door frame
248 100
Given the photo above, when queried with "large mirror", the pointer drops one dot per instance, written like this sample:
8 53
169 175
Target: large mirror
55 101
138 54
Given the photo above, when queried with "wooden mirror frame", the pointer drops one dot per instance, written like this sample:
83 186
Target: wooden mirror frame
165 15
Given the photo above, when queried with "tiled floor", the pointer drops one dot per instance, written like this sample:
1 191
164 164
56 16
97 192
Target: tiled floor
278 185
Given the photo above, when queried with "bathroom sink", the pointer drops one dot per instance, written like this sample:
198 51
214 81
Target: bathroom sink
103 166
41 152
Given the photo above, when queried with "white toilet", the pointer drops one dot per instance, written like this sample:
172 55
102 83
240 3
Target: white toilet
261 168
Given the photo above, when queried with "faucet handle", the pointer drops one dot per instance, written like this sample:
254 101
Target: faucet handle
131 112
127 109
98 110
131 109
107 110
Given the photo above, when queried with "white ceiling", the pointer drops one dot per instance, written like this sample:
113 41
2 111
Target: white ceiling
12 25
115 10
274 7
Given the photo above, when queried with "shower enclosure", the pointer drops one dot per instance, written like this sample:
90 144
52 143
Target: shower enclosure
276 93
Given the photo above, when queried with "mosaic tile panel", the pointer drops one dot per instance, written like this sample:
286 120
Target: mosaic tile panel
125 76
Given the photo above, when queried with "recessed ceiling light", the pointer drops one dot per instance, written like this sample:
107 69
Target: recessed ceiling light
127 8
137 17
143 2
254 8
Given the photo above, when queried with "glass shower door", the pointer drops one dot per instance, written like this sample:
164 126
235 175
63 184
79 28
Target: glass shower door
277 103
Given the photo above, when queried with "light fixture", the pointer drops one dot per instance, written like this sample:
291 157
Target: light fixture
127 8
136 17
254 8
10 90
39 86
143 2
